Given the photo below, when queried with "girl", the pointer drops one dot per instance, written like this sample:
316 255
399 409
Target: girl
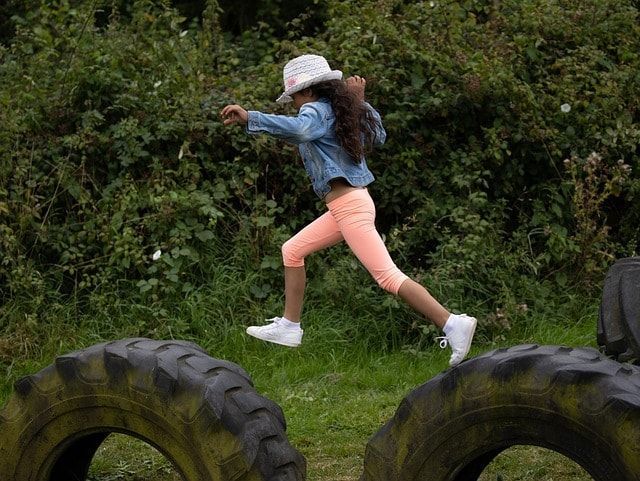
333 127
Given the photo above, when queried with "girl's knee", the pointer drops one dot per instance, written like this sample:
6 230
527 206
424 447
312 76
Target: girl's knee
290 256
391 282
387 285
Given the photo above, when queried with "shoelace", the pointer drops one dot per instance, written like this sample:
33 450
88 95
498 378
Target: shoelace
444 340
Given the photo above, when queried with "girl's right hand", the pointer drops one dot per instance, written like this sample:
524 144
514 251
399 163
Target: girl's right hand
234 114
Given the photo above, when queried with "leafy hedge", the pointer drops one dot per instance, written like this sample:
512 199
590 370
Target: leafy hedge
512 152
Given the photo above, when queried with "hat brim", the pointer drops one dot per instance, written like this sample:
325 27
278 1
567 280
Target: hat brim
286 96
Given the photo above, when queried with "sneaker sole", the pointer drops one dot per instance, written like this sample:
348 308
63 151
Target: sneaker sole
468 345
274 341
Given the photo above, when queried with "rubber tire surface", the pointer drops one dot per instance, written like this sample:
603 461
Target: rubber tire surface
573 401
619 319
202 413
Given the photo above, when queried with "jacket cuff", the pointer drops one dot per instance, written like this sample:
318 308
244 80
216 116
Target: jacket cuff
253 122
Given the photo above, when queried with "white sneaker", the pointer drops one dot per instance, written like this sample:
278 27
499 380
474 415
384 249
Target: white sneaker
459 331
277 333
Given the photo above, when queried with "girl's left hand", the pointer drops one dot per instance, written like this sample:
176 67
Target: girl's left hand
357 85
234 114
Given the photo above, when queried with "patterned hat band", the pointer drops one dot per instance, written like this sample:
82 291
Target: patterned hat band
304 71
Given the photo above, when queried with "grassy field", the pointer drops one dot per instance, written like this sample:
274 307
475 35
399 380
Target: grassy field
335 395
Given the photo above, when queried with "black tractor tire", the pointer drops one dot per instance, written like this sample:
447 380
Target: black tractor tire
573 401
619 319
202 413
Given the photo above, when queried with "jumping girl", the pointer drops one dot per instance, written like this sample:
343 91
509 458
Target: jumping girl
333 128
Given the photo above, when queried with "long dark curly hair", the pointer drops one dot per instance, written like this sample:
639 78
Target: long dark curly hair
355 124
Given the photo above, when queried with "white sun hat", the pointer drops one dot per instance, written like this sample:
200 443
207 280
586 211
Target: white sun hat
304 71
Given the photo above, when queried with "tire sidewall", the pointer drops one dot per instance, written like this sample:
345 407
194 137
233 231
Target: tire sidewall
50 432
457 446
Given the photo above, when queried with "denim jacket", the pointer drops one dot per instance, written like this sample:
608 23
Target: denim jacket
312 130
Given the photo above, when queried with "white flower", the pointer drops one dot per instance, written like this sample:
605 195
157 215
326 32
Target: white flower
566 108
432 4
183 33
157 84
156 255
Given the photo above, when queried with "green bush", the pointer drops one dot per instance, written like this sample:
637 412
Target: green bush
111 148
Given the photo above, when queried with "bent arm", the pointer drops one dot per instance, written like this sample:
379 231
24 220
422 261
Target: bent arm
379 134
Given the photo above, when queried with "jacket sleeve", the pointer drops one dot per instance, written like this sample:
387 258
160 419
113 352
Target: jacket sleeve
379 134
310 124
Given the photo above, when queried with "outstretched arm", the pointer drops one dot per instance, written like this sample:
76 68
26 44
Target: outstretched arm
308 125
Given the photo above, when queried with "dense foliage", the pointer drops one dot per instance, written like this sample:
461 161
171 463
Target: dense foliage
511 168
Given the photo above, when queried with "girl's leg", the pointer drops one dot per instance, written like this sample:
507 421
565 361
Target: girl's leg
419 298
321 233
295 279
355 215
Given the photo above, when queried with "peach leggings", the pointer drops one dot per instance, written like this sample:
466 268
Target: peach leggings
351 217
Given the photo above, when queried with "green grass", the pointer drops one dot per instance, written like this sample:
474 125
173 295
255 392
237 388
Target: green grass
124 458
336 390
539 464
